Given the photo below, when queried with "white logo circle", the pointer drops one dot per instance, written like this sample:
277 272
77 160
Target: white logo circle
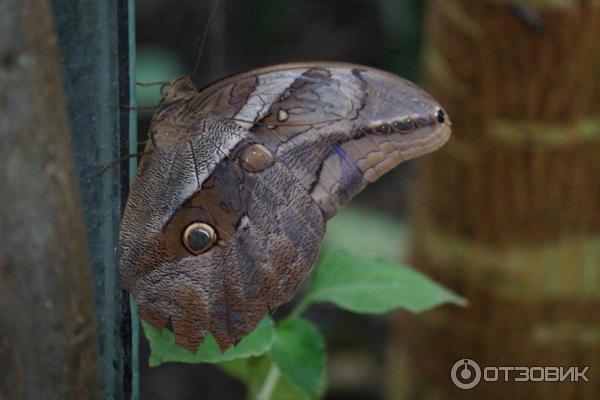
465 373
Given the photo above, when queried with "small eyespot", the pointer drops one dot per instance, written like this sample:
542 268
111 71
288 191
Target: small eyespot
441 116
256 158
198 237
282 115
383 129
403 125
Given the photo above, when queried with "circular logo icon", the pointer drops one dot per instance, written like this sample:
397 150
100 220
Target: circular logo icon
465 373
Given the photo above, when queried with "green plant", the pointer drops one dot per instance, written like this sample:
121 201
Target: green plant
286 360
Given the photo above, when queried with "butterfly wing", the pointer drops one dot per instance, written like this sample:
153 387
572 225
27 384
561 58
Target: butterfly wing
266 158
299 110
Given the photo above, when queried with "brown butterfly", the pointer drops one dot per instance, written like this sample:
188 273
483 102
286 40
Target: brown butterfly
227 211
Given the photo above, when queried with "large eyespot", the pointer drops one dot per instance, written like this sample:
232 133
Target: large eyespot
198 237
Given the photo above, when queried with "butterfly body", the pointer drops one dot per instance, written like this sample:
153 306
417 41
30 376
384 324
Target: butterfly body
227 212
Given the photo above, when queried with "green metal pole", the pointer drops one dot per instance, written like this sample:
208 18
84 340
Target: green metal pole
97 40
133 148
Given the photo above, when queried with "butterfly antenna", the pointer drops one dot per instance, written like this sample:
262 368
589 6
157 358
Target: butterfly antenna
114 163
149 84
211 17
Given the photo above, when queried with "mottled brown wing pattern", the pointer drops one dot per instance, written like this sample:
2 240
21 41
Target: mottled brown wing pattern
253 166
333 103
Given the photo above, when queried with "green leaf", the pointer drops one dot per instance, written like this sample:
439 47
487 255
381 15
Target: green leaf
265 382
163 347
386 237
369 284
238 368
299 353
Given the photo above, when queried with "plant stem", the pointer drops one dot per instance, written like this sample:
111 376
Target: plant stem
269 384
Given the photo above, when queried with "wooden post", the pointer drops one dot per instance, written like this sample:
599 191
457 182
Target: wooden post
509 211
97 40
48 343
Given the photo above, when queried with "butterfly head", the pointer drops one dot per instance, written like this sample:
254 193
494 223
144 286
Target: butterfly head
178 87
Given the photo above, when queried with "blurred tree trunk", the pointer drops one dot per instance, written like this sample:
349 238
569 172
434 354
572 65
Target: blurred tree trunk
508 213
47 332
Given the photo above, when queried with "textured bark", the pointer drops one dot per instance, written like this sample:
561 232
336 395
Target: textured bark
47 331
508 213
